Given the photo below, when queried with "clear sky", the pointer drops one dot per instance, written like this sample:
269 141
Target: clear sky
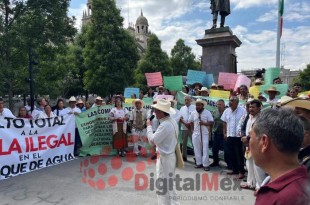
253 21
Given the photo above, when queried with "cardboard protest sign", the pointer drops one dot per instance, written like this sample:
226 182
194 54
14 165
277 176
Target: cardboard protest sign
270 74
219 94
129 100
173 82
195 76
129 91
228 80
209 80
28 145
154 79
242 80
282 88
255 90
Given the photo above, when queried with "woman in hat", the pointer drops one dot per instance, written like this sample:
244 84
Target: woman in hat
119 117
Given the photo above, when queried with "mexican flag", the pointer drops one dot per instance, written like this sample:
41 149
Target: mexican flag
281 11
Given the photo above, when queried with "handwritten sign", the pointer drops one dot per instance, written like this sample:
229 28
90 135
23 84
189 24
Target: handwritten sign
270 74
129 91
255 90
228 80
154 79
282 88
209 80
129 100
173 82
165 97
242 80
219 94
194 76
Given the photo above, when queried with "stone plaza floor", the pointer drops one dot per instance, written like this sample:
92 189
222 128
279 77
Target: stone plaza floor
112 180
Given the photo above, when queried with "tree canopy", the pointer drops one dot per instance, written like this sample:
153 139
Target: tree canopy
110 53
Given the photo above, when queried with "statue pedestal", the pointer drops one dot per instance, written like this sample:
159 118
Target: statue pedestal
218 51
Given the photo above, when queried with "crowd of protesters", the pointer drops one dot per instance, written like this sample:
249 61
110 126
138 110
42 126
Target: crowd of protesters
270 145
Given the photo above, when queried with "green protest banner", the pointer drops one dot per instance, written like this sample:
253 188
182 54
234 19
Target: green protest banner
270 74
173 83
95 129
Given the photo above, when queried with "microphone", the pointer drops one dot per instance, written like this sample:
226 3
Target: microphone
152 117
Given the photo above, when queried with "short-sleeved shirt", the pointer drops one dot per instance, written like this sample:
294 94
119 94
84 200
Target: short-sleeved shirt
185 112
205 116
290 188
232 119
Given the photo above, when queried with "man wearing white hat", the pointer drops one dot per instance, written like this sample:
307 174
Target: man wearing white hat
204 92
137 119
72 109
200 120
165 138
98 102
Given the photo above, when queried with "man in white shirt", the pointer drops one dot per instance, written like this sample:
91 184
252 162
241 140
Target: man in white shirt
200 120
185 113
272 99
4 112
98 102
165 138
231 118
255 175
177 114
73 109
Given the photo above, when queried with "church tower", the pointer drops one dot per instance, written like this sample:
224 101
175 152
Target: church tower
87 13
142 32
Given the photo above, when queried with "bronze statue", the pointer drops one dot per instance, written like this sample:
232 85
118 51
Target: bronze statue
222 7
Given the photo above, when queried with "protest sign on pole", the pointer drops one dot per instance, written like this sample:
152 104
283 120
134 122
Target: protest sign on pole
129 91
270 74
28 145
173 83
228 80
154 79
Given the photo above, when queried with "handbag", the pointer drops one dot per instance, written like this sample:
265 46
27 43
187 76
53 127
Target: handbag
179 156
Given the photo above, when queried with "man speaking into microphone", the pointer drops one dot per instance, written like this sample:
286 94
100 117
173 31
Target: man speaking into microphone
165 139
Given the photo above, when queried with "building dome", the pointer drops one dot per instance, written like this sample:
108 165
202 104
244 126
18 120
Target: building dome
141 20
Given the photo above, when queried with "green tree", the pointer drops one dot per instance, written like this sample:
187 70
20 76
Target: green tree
303 78
154 60
183 59
110 54
39 24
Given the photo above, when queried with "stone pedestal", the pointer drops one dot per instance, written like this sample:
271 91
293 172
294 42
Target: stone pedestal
218 51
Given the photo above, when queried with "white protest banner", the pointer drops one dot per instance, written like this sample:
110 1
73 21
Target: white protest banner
27 145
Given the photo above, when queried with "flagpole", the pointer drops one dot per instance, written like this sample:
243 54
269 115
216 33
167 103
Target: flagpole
278 36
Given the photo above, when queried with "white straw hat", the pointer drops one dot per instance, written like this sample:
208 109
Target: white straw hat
72 99
165 106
